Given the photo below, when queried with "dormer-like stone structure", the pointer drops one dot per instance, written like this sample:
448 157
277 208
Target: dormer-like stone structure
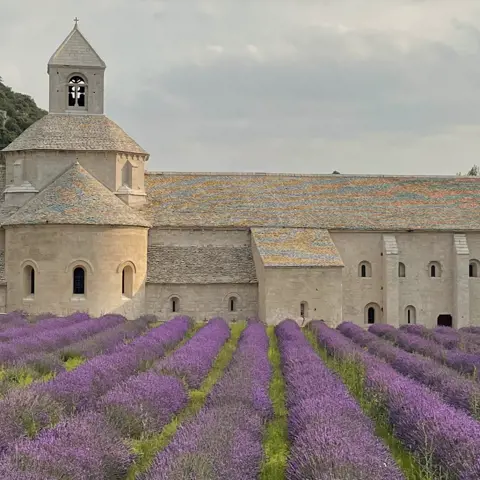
75 129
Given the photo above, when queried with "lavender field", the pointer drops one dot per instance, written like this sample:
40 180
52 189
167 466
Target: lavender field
106 398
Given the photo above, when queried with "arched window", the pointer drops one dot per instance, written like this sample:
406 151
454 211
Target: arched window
304 309
77 92
434 270
474 268
127 281
127 174
372 313
401 270
79 281
365 270
29 281
175 304
411 315
232 304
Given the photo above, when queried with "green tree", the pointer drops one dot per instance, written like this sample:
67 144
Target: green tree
17 112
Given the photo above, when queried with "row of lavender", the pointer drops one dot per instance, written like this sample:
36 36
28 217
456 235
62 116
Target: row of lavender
224 440
464 339
46 352
454 388
445 440
330 436
91 444
25 412
464 362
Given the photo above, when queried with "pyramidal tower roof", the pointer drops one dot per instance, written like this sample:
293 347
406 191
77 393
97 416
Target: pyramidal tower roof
75 51
76 197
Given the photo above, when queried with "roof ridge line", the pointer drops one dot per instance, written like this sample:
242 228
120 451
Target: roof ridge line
287 174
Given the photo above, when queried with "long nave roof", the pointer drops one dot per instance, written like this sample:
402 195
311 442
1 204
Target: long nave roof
332 202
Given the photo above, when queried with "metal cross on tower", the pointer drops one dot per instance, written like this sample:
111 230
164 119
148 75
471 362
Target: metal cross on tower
76 20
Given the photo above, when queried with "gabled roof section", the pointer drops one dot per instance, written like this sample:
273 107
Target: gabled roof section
296 247
59 131
210 264
75 51
76 198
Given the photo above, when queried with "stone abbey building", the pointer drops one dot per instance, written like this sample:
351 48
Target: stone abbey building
86 227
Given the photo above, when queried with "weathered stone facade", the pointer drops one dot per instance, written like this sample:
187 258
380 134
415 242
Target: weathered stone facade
85 227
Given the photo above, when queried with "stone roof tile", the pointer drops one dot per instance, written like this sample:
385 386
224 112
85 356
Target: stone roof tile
212 264
75 51
343 202
296 247
59 131
77 198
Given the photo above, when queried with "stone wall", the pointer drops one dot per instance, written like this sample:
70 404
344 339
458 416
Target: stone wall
55 251
319 288
40 168
430 296
202 302
473 241
359 292
58 81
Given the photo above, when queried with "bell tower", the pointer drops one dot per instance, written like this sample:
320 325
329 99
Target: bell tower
77 77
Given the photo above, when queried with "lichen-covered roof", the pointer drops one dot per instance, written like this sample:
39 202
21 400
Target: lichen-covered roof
296 247
75 131
75 51
313 201
212 264
76 197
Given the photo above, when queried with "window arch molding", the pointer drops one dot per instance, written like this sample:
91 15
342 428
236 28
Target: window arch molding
434 270
30 263
410 314
401 270
79 263
474 268
237 301
365 269
127 263
372 313
174 300
29 270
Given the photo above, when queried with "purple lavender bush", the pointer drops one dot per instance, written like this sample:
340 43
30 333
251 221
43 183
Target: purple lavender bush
81 388
219 443
82 448
329 434
446 441
106 341
46 324
225 439
13 320
246 380
465 363
52 339
455 389
195 359
143 404
23 413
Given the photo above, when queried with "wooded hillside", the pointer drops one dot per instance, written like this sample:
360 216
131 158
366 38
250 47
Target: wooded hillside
17 112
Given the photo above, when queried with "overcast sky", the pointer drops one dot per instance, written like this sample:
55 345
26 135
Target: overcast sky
360 86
